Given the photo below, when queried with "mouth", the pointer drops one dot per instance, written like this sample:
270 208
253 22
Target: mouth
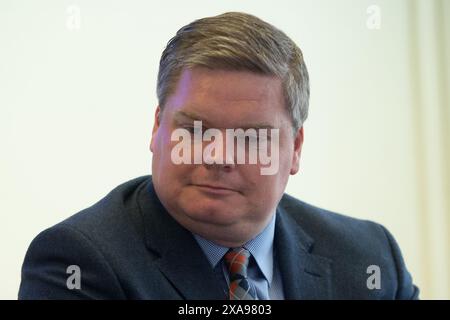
215 189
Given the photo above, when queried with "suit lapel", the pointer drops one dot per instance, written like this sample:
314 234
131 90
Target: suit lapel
304 275
182 261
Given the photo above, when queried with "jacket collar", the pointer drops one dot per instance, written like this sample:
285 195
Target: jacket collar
304 274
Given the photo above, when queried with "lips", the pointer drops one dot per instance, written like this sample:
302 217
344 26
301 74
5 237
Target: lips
215 189
214 186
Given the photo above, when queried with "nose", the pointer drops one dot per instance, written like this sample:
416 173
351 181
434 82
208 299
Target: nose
218 160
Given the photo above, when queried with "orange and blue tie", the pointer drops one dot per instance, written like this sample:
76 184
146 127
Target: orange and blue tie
237 260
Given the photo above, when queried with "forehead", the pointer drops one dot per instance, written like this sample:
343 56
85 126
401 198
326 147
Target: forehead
227 96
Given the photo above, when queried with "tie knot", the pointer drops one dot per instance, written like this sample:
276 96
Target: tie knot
236 260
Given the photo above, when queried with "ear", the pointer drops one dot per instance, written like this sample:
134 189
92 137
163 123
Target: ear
298 143
155 127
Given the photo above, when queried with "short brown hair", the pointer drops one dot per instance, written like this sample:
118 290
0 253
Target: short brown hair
241 42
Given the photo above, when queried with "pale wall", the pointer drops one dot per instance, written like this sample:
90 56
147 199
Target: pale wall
76 108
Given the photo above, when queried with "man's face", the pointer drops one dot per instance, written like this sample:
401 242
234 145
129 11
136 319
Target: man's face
228 204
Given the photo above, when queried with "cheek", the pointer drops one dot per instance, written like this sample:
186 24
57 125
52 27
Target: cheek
258 187
286 152
265 190
171 175
163 146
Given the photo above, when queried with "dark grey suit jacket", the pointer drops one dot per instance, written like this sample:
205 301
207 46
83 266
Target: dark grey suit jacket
128 247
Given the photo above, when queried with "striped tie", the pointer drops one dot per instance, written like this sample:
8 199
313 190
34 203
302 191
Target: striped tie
237 261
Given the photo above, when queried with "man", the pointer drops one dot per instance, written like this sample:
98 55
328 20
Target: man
208 226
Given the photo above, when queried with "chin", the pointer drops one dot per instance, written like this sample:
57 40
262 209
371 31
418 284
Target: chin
212 211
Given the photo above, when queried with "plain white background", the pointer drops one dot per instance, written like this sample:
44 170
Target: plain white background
77 98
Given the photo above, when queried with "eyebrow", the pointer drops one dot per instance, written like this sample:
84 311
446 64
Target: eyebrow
179 116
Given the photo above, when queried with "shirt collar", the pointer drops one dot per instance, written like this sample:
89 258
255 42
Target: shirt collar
261 248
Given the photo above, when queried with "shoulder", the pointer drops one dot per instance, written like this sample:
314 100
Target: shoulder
113 216
97 239
320 223
114 223
354 245
339 236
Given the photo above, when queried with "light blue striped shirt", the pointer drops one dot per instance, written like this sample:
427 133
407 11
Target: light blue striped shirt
262 271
